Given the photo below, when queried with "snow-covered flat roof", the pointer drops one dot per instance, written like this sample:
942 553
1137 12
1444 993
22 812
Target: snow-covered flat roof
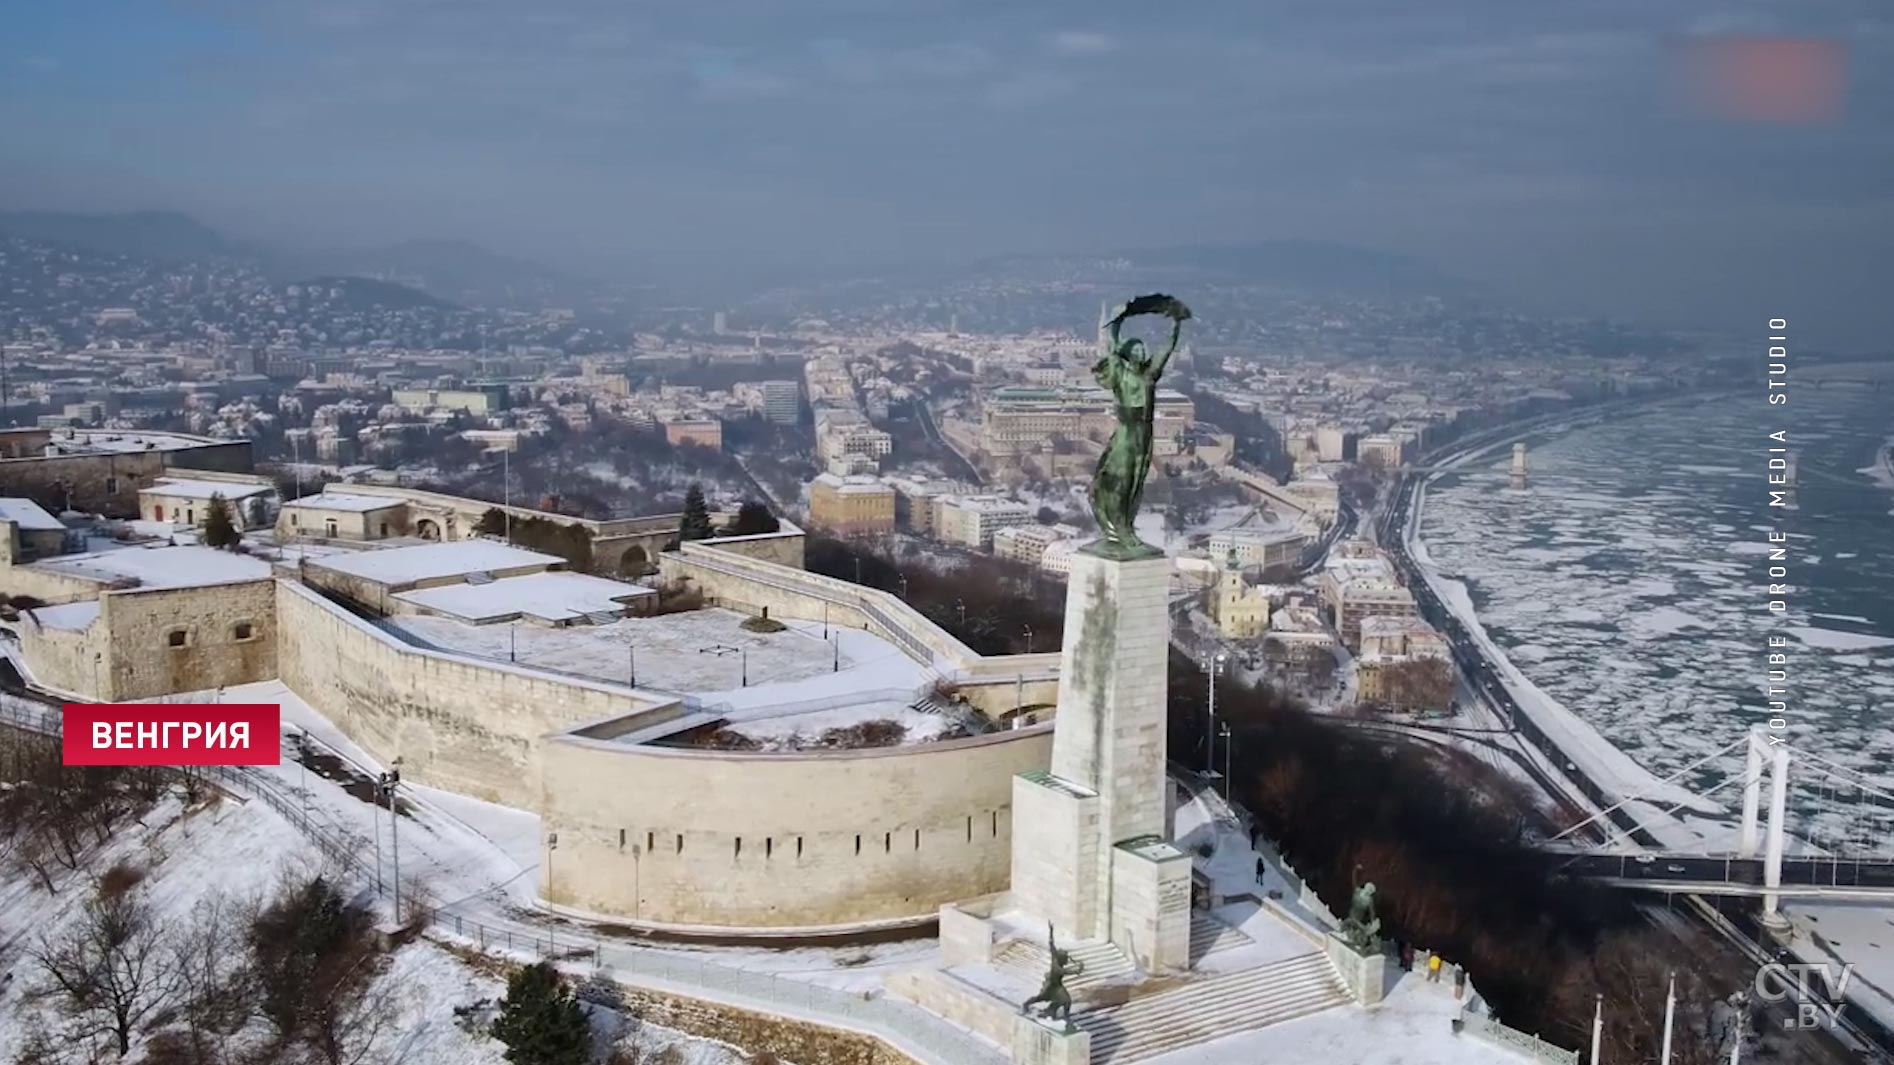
110 440
29 515
161 567
205 489
73 616
555 596
430 561
360 504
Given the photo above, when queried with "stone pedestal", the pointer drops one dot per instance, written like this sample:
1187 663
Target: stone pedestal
1090 850
1056 842
1365 975
1150 904
1110 733
1037 1042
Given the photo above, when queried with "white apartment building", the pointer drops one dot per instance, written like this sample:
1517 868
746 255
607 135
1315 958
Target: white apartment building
1382 450
1359 582
1261 546
972 520
1027 543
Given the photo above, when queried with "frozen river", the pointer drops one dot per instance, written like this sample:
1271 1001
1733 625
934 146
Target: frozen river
1630 581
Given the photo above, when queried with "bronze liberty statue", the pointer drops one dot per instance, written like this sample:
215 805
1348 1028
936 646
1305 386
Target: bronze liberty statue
1130 374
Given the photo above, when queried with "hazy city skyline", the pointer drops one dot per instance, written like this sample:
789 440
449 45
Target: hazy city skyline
1544 152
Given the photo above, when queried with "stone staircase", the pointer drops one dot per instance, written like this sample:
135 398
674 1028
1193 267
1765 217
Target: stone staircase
1208 935
934 704
1210 1009
1026 962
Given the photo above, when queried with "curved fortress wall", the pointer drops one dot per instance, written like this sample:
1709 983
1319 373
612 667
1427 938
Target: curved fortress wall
719 840
456 723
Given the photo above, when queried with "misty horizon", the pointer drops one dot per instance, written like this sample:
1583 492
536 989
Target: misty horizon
1544 154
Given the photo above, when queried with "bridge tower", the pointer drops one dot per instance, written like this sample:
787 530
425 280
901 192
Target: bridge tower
1776 757
1519 467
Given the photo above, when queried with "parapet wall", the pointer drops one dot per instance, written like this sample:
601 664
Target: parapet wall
703 840
457 723
993 683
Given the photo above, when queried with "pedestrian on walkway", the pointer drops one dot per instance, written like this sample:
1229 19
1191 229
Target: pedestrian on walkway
1459 981
1407 957
1433 968
1261 868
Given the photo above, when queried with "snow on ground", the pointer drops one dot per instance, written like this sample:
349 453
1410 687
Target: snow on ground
1412 1026
793 731
705 652
72 616
555 596
246 844
1858 933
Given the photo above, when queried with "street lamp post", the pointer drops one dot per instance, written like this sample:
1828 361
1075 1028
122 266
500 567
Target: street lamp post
631 649
743 656
389 781
1210 737
1226 761
837 648
302 759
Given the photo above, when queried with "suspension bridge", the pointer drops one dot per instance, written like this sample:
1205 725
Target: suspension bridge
1839 846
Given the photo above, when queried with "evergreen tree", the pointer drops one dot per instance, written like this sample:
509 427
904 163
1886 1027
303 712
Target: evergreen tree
220 529
696 524
753 519
491 523
541 1021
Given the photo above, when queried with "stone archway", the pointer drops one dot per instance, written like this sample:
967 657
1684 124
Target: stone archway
427 529
634 562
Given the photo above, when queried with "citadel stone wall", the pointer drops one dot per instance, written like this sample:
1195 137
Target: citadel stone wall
460 724
64 659
229 636
692 838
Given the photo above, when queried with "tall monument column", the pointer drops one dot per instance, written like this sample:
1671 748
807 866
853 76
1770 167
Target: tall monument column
1090 851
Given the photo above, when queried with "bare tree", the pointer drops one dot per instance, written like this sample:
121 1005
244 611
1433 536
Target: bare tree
215 987
113 971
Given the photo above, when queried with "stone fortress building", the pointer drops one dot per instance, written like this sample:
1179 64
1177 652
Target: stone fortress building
393 637
733 747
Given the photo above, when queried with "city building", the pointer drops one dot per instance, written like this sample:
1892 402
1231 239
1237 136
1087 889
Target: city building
186 503
972 520
1276 543
1028 543
335 514
1382 451
702 432
477 400
1240 610
851 505
1359 582
782 402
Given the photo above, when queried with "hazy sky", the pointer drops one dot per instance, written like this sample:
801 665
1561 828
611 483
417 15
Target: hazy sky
1534 145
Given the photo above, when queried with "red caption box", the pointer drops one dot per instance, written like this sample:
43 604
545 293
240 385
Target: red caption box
172 733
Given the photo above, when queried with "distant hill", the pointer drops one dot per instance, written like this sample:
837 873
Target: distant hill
166 236
367 293
454 270
1288 265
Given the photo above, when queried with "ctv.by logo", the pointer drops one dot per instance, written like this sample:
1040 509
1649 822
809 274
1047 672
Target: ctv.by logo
1816 990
